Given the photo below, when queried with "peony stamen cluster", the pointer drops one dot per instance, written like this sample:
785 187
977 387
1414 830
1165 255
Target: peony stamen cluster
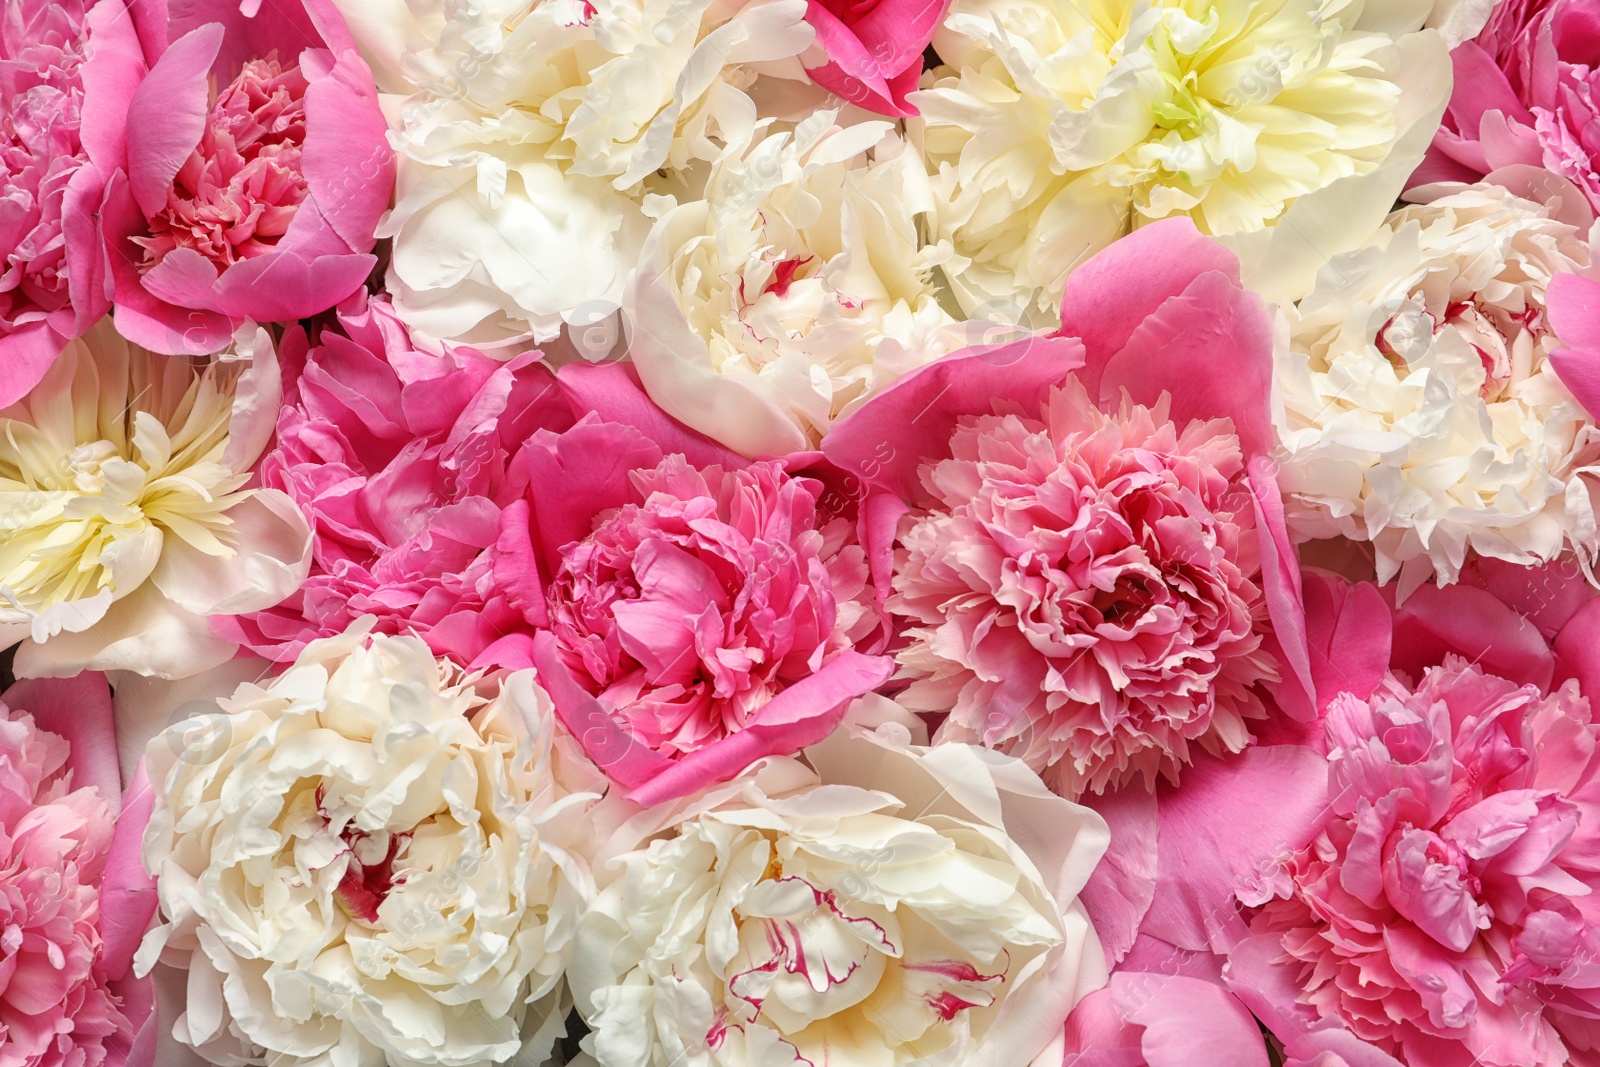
236 194
57 1008
1084 592
1449 898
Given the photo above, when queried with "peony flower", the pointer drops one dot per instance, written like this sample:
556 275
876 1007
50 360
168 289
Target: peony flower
533 125
898 906
796 288
1420 411
1524 94
1087 570
256 170
125 480
69 884
1055 129
871 53
372 859
60 63
1447 897
402 460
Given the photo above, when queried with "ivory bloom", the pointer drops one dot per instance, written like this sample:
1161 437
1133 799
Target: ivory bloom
1058 126
1419 409
790 920
533 132
126 513
370 863
796 288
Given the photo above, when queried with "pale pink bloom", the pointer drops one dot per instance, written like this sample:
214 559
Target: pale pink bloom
1446 913
1096 575
872 49
73 899
1525 93
59 63
256 166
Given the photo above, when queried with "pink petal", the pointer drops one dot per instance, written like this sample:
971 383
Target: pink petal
612 391
347 161
574 476
1124 882
250 30
128 893
111 74
1189 1023
25 356
79 709
1472 623
281 286
167 115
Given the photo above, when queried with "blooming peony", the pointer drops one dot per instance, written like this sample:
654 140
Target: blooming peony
372 859
256 170
900 906
402 460
796 288
1524 94
539 125
1447 898
1090 572
1420 411
60 62
1057 127
124 485
68 885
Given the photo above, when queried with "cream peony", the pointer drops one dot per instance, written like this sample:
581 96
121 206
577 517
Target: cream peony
798 286
1057 126
126 513
533 132
1418 409
913 906
370 861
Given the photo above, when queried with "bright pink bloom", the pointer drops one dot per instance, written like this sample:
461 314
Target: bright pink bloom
1527 91
52 277
874 49
73 900
1446 913
255 172
1093 575
402 461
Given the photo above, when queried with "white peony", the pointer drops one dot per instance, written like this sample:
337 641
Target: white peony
1056 126
1417 407
911 906
793 290
531 134
125 517
367 861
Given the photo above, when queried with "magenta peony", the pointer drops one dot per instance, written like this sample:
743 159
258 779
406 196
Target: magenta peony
401 460
1525 93
1446 911
1085 591
871 50
1090 574
256 168
58 63
70 886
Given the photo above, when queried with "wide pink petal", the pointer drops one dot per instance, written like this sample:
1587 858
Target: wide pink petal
612 391
1099 1034
1573 306
88 273
870 57
1210 349
167 115
1472 623
128 892
1189 1023
1124 881
183 278
1108 297
282 286
79 709
111 73
252 28
1350 632
574 476
885 440
1577 649
1225 832
25 356
348 164
1481 86
1280 585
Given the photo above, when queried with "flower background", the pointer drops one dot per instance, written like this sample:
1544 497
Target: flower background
755 533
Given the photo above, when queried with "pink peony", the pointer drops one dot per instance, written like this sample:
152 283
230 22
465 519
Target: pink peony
1084 593
1525 93
52 284
255 170
402 461
1446 911
872 49
1093 573
67 932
